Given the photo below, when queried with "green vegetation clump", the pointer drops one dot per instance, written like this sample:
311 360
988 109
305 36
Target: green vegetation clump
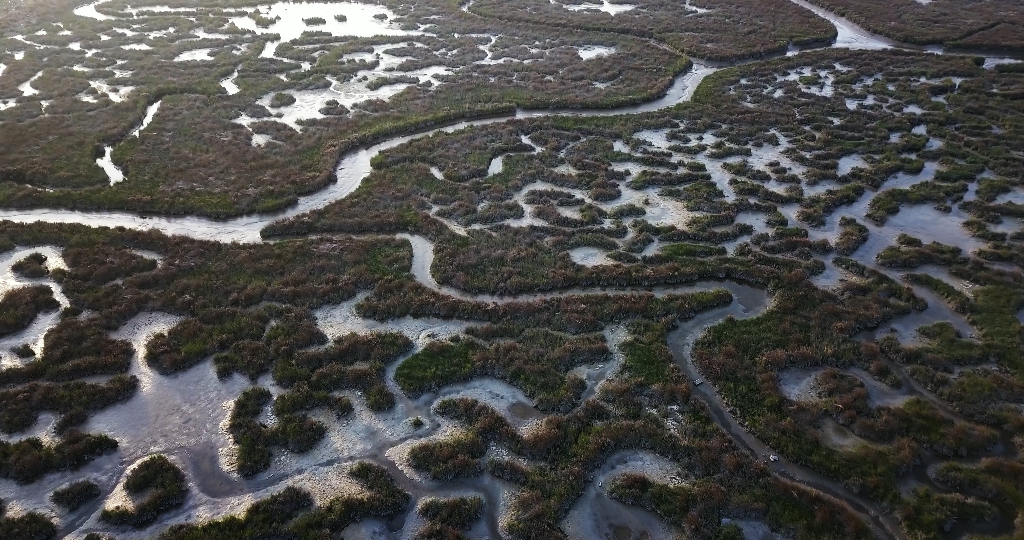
24 351
301 398
791 507
790 240
21 405
888 202
74 495
263 21
264 517
929 514
99 265
685 250
533 360
351 362
381 82
333 108
446 459
32 266
458 456
284 330
19 307
165 488
912 253
245 342
29 459
956 299
298 433
436 365
645 354
446 517
574 313
28 526
852 235
290 513
814 208
73 348
282 99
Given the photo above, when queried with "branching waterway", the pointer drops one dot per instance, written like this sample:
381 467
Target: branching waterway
183 416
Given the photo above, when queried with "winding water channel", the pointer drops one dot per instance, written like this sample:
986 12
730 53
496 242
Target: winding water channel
152 421
354 166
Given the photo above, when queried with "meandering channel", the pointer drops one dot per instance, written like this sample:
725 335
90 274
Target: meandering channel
354 166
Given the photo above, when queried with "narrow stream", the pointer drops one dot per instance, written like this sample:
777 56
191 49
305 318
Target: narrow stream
355 165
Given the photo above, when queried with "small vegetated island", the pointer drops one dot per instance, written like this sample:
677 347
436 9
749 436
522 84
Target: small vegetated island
535 270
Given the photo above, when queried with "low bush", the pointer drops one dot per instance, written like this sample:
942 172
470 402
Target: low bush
19 307
852 235
28 460
74 495
446 459
33 266
351 362
165 486
73 348
28 526
458 513
20 406
282 99
296 432
290 513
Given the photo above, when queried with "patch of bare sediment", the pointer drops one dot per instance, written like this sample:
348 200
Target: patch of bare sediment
169 412
341 319
152 255
363 434
800 384
590 256
596 515
904 327
176 415
918 220
829 278
324 483
754 529
422 260
414 522
105 471
504 398
839 437
9 280
42 430
880 394
399 453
